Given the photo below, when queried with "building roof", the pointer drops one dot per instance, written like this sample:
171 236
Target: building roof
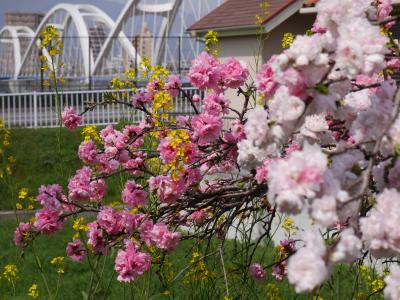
234 14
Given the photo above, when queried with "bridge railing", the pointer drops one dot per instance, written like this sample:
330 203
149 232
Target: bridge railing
40 109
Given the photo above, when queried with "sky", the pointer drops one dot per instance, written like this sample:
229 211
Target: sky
111 7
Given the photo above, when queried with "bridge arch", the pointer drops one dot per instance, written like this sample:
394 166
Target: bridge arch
13 40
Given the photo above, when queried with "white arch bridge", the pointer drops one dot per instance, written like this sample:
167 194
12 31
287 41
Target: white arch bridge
97 47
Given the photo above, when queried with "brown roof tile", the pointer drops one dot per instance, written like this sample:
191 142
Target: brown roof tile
238 13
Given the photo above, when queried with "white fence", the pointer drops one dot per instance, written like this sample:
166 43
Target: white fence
37 109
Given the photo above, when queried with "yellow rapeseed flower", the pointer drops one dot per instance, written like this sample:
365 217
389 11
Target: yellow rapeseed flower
145 66
79 225
272 291
289 226
260 18
160 73
33 291
46 83
23 192
287 40
162 100
58 263
10 272
377 285
211 42
90 132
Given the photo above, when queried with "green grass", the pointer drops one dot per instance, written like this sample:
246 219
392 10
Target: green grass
38 162
74 283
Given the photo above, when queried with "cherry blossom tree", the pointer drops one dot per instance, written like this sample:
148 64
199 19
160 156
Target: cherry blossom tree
318 133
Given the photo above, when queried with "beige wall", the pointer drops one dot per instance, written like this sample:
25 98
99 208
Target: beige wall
248 48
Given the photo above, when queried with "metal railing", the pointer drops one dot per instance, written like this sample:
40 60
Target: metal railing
40 109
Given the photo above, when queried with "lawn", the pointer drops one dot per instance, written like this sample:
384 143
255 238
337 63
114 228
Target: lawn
38 162
74 283
192 283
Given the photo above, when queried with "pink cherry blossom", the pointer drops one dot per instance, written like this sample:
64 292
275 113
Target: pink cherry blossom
173 85
215 104
204 72
168 190
70 119
257 272
21 233
163 238
385 7
167 151
196 98
316 28
96 238
392 283
76 251
292 179
381 227
88 152
191 177
234 73
279 271
238 130
82 188
51 196
207 127
129 222
266 84
145 232
198 216
360 51
105 165
133 135
114 141
109 220
130 264
133 194
141 98
307 268
134 165
48 221
349 247
262 172
393 64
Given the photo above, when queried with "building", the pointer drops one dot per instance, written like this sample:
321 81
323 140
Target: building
239 35
32 20
143 42
242 38
98 36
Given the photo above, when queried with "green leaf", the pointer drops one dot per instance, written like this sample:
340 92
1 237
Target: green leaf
322 89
